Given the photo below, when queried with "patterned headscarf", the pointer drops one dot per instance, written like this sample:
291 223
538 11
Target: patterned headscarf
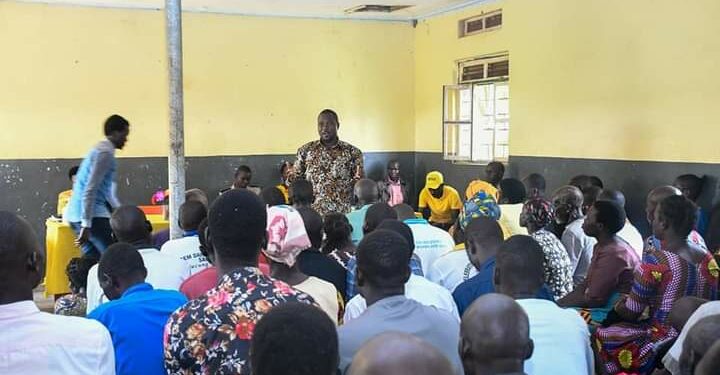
539 211
286 235
481 204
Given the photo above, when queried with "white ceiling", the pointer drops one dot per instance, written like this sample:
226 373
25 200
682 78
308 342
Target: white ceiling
287 8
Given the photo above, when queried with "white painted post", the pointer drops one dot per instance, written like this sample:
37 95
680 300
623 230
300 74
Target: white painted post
176 158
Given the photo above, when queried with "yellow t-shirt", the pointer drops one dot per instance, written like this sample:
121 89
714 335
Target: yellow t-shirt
440 208
63 200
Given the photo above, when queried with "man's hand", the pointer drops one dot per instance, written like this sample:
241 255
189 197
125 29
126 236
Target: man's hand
358 173
83 237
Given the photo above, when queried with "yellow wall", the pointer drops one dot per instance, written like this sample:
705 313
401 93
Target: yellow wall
612 79
609 79
252 85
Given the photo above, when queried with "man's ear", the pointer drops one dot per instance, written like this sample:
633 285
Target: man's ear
496 277
35 267
359 278
529 349
465 349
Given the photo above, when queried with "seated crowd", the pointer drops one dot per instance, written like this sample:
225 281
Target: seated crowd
500 280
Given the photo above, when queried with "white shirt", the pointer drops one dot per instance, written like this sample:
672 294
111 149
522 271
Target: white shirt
451 270
672 358
579 247
163 272
417 288
430 242
561 338
631 235
33 342
187 249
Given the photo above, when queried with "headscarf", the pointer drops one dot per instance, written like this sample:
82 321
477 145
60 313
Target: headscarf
539 211
286 235
481 204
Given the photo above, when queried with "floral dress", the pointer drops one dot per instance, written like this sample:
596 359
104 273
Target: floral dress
661 279
211 334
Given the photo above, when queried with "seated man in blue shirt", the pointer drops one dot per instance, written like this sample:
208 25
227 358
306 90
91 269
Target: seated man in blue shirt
483 238
136 314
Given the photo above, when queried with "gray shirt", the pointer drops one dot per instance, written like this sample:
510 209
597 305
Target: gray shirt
400 314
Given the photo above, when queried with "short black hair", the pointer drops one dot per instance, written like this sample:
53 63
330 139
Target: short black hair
204 246
236 224
610 215
536 181
513 190
382 257
391 162
73 171
332 114
583 181
242 168
694 182
376 214
272 196
294 338
496 164
404 211
338 231
77 271
520 260
615 196
191 214
590 195
680 213
596 181
400 228
115 123
301 192
313 225
485 231
121 260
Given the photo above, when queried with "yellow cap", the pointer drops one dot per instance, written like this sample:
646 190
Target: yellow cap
433 180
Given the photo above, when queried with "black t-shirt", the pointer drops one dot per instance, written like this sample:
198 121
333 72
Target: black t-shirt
314 263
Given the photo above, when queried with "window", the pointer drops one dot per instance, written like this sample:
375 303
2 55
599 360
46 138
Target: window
479 24
476 112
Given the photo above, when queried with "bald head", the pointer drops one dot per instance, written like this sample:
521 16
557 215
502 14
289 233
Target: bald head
494 335
130 225
698 341
20 259
655 197
399 354
366 191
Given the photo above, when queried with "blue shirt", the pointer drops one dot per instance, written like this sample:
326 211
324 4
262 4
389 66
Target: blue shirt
357 220
350 291
136 322
482 283
93 188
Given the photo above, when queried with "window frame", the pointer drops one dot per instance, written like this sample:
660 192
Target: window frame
456 157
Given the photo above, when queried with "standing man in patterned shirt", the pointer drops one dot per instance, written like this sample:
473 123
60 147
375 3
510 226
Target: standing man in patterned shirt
331 165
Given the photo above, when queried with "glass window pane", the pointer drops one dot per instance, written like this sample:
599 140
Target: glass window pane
458 103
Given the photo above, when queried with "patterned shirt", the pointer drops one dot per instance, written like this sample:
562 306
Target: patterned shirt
331 170
71 305
211 334
556 265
